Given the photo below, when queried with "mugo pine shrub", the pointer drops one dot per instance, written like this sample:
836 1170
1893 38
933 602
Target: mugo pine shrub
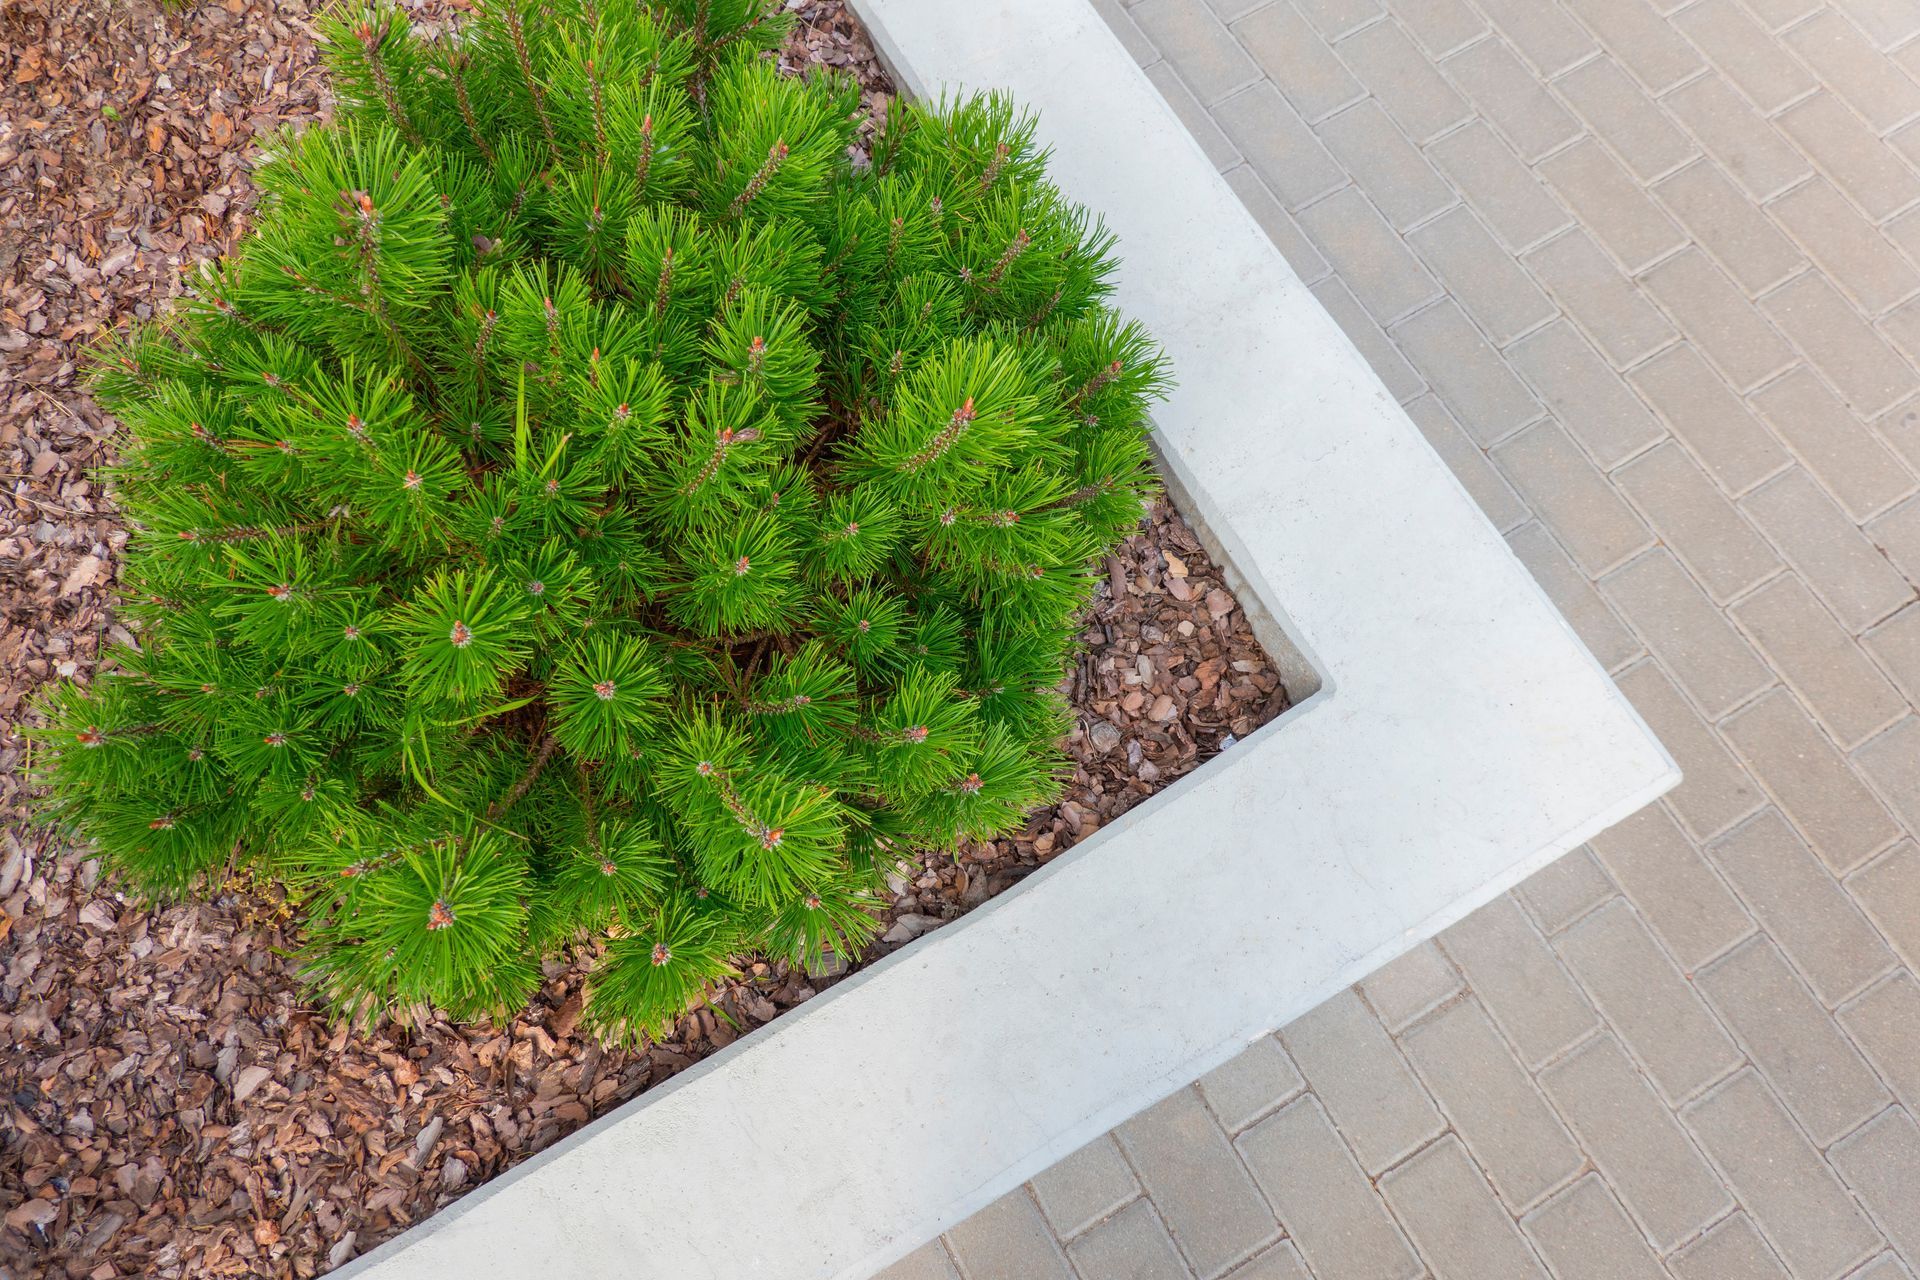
591 507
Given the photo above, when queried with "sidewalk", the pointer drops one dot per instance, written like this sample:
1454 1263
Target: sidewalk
1647 274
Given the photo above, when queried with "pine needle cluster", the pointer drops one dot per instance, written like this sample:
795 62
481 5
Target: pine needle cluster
591 507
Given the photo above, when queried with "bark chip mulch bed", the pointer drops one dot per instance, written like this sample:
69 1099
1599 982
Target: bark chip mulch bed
171 1104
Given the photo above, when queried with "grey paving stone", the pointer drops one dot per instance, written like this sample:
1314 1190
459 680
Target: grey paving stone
1482 277
1885 1024
1335 18
1510 98
1610 308
1834 445
1564 890
1228 10
1846 61
1781 1181
1851 155
1611 205
1278 224
1892 762
1504 192
1651 1006
1131 1245
1198 45
1592 401
1331 1212
1832 674
1622 115
1492 1104
1857 360
1794 1042
1736 449
1356 1070
1406 987
1115 15
1733 1250
1585 1235
1215 143
1897 533
1697 522
1519 980
1800 904
1745 53
1845 245
1715 791
1372 260
1884 1267
1889 890
1489 401
1402 380
1779 14
1440 26
1886 22
1718 319
1255 1081
1592 618
1747 146
1683 628
1085 1187
1728 225
1679 896
1282 1262
1810 780
1901 327
1896 644
1402 185
1489 489
1297 60
1278 144
1882 1165
1008 1240
1643 42
928 1262
1197 1183
1418 98
1544 34
1456 1223
1572 496
1842 567
1635 1142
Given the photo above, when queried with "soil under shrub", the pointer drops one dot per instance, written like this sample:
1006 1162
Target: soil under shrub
174 1105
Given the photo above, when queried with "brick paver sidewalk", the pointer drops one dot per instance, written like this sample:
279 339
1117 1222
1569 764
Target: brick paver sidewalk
1647 273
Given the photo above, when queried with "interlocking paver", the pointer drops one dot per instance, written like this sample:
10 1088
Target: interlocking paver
1885 1024
1832 674
1852 155
1802 907
1795 1043
1633 1139
1455 1221
1847 247
928 1262
1745 53
1585 1235
1278 224
1400 377
1736 449
1337 17
1493 1104
1697 522
1898 534
1440 26
1482 276
1892 762
1131 1245
1868 373
1564 890
1733 1250
1848 459
1592 618
1648 1002
1417 97
1572 496
1331 1212
1297 60
1257 1080
1882 1165
1509 98
1357 1072
1115 15
1718 319
1504 192
1724 222
1656 54
1896 644
1404 988
1842 567
1198 45
1715 791
1810 780
1372 260
1544 34
1217 145
1282 1262
1740 138
1085 1187
1490 490
1884 1267
1692 638
1197 1182
1008 1240
1614 313
1286 154
1889 889
1622 115
1385 165
1784 1185
1846 61
1463 367
1680 897
1519 980
1592 401
1780 14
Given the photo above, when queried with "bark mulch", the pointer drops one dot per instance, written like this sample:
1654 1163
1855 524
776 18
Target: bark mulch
171 1104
